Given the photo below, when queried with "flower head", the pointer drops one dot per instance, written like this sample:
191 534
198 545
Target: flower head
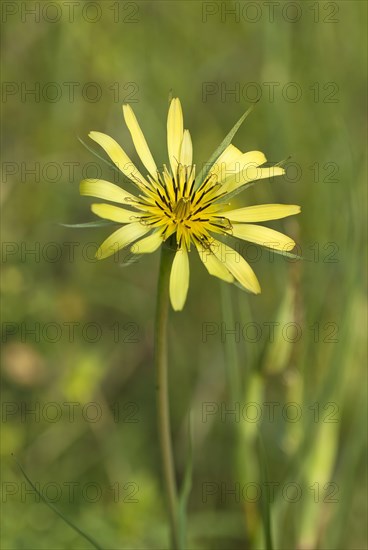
171 203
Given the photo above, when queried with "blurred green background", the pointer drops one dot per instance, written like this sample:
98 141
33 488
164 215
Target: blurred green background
77 334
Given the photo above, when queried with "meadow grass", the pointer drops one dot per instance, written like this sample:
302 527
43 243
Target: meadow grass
287 467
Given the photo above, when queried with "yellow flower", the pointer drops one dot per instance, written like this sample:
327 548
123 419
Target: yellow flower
170 203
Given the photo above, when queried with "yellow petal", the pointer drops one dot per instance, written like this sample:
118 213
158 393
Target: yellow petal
186 151
237 266
263 236
252 173
174 132
114 213
121 238
179 279
261 213
230 155
139 140
118 156
236 171
105 190
148 244
213 265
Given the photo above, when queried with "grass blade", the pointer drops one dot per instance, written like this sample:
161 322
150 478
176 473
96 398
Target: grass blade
97 155
245 187
54 509
87 224
286 254
221 148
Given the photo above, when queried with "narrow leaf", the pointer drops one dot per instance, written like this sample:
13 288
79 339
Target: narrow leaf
291 255
283 162
130 259
245 187
286 254
54 509
97 155
221 148
241 287
88 224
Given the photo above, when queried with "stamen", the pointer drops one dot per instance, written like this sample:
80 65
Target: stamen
191 190
182 209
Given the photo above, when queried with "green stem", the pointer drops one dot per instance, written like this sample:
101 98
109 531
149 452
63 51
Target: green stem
162 392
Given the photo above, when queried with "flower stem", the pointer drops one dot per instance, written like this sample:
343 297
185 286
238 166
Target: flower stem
163 409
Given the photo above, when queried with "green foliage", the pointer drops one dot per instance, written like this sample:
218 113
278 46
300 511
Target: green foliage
77 333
